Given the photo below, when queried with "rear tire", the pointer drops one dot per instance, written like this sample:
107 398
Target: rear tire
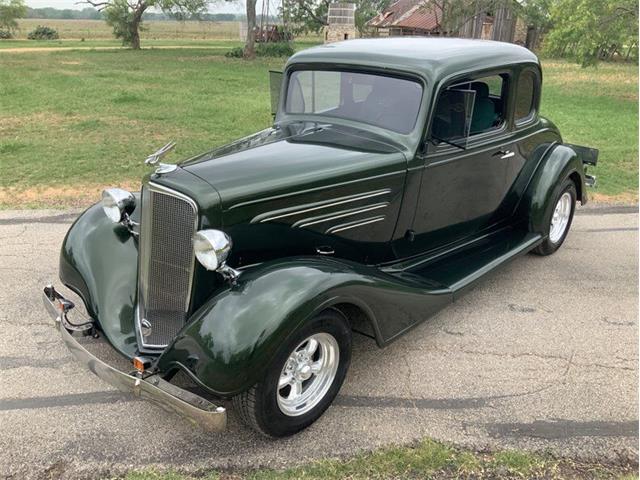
559 219
302 380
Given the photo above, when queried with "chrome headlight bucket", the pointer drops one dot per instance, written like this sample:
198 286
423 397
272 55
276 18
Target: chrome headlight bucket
117 204
212 248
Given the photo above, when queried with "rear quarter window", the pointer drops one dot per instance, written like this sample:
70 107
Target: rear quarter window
525 95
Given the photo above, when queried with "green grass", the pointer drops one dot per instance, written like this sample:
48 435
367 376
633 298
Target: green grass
427 460
598 107
98 29
112 43
74 121
92 116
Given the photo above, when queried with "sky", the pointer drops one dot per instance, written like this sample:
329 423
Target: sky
215 7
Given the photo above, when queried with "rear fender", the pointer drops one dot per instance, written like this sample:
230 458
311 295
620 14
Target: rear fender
231 340
559 163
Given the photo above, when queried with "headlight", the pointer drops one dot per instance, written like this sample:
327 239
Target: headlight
212 248
116 202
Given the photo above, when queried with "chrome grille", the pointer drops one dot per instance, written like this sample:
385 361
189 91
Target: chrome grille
166 263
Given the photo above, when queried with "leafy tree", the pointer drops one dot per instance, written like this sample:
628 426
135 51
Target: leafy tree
588 31
537 15
125 17
304 16
10 11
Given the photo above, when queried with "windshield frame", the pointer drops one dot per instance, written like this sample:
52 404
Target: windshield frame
283 115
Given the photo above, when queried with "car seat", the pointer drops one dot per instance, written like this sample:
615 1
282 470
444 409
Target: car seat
484 110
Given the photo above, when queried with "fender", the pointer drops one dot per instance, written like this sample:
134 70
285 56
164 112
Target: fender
99 262
557 164
231 340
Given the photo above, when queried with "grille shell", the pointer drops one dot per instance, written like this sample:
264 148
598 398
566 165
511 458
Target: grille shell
167 260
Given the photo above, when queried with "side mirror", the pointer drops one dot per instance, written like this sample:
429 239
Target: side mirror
275 86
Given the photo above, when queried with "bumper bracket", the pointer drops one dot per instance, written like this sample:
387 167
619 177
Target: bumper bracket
195 408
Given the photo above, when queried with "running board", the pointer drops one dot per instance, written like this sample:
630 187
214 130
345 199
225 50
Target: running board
462 268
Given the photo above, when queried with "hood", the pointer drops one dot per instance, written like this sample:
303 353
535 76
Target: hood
292 158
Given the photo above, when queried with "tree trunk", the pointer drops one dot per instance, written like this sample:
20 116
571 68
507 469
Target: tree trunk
135 26
626 59
250 45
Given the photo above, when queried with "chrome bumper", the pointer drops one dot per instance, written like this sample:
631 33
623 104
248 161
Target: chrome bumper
149 387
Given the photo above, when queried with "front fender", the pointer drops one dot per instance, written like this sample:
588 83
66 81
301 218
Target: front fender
99 261
558 164
231 340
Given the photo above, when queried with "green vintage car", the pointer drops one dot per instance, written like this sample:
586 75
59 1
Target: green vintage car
397 173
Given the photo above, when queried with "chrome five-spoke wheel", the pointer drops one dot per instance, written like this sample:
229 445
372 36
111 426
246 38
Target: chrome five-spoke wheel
302 379
560 218
308 374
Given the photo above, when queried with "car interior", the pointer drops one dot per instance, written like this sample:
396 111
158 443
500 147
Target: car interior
452 112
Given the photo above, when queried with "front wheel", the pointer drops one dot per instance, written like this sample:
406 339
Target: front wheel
560 219
302 380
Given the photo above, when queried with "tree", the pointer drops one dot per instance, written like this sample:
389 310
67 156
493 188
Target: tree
10 11
589 31
250 44
125 16
305 16
537 16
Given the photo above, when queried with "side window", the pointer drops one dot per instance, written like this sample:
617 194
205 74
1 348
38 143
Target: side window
479 102
524 96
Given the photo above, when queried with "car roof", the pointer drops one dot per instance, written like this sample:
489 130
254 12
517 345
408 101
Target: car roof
434 58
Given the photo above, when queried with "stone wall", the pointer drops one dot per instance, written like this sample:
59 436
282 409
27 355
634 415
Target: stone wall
337 33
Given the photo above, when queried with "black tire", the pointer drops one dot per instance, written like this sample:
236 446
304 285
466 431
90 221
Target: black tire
547 247
258 407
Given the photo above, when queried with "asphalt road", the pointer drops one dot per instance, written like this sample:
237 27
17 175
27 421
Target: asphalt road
543 355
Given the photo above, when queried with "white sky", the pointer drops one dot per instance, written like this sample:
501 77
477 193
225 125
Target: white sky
220 6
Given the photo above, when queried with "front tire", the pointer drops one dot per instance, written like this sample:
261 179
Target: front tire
302 380
559 220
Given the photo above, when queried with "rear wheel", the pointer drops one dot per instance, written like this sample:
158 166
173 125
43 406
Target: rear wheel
302 380
559 221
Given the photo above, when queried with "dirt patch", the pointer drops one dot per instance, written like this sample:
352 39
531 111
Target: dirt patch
38 118
73 196
627 198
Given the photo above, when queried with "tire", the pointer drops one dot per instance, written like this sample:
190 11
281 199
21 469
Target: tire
560 217
266 408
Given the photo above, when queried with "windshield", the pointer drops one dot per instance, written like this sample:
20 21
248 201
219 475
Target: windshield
387 102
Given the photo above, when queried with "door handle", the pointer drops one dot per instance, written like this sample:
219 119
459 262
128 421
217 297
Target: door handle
504 153
325 250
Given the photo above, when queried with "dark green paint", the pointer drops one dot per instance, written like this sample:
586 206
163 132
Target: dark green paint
559 163
99 261
450 217
271 301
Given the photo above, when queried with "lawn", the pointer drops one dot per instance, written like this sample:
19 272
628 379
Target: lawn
74 121
427 460
97 29
598 107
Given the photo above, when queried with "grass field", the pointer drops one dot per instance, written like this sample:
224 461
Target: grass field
74 121
427 460
153 30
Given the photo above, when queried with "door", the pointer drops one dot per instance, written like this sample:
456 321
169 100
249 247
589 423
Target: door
466 166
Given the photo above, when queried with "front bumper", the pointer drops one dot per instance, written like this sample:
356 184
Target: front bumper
149 387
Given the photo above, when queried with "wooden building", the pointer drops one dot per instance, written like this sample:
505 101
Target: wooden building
424 17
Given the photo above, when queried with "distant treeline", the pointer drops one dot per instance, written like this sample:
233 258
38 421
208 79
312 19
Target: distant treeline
93 14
